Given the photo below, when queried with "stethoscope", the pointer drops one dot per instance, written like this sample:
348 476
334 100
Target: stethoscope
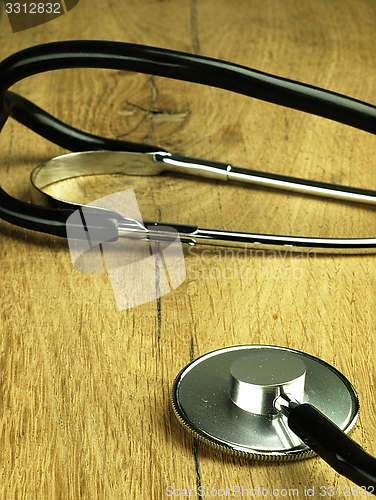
259 402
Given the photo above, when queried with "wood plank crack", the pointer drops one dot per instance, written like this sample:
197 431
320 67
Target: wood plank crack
194 27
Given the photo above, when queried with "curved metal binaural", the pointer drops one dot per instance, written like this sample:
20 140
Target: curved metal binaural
110 162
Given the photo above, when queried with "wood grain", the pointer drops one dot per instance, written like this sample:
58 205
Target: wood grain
85 410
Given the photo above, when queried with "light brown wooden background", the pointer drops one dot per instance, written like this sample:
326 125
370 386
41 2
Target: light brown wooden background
85 410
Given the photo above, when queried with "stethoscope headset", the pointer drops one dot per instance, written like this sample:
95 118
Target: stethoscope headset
258 402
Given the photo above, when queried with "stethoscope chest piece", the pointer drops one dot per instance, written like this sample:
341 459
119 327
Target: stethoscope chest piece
232 399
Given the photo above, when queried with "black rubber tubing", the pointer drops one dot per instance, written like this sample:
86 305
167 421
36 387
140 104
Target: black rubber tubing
155 61
334 446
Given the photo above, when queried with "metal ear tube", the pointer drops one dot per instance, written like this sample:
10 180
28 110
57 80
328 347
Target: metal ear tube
273 404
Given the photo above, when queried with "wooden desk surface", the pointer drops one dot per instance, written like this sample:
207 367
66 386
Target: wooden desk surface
85 409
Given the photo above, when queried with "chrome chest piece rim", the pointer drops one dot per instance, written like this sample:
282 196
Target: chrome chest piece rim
233 410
